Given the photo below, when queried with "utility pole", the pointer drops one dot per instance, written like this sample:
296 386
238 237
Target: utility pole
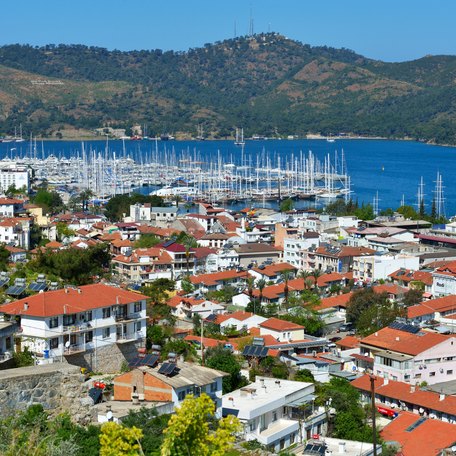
374 427
201 341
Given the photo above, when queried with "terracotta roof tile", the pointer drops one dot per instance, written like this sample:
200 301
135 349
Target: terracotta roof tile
276 324
59 302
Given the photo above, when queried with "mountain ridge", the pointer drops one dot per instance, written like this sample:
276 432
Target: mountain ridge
266 83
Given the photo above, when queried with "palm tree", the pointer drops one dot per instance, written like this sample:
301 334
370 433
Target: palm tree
286 277
304 274
250 284
260 285
316 273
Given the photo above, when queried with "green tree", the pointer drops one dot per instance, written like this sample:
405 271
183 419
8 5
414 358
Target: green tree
412 297
152 425
118 440
222 359
261 283
304 375
146 241
50 201
188 431
159 290
365 212
286 205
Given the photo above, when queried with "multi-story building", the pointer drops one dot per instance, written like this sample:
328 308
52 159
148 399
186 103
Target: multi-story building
57 323
338 258
14 175
157 216
444 280
295 249
405 353
163 383
270 411
380 266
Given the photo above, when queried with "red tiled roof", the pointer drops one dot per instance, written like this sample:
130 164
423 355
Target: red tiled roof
10 201
66 301
403 341
276 324
203 252
274 269
448 269
216 277
429 438
348 342
240 315
433 305
344 251
207 342
402 392
334 301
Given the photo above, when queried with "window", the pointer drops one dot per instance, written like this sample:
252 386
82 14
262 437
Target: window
417 375
292 438
138 326
106 312
138 306
449 371
106 333
8 343
53 322
69 320
54 343
274 416
89 336
213 387
252 425
431 374
181 395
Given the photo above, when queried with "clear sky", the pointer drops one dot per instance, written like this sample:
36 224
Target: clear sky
392 30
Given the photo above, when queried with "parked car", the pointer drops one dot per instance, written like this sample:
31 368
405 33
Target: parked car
345 327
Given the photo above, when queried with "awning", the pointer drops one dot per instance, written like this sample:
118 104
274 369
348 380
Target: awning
365 358
303 400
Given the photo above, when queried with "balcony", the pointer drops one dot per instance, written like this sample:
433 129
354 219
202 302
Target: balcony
73 349
77 328
129 337
277 430
127 317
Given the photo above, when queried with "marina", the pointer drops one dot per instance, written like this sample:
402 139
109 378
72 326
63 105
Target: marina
312 172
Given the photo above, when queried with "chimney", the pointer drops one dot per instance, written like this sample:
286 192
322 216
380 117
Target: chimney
135 399
398 338
412 389
441 397
385 381
26 306
341 447
277 382
376 334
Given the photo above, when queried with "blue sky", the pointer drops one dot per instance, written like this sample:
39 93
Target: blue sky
392 30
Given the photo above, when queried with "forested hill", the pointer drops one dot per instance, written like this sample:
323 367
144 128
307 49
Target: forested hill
267 84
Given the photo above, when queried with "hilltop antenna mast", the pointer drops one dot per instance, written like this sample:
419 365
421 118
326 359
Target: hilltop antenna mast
251 23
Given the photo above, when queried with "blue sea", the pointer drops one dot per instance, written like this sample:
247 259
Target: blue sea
391 168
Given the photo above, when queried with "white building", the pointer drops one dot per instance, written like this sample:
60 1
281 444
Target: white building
293 249
444 280
75 320
7 330
222 260
14 175
240 320
268 410
380 266
157 216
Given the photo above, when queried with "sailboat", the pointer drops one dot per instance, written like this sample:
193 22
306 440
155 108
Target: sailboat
239 137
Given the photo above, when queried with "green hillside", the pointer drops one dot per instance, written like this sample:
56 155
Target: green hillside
267 84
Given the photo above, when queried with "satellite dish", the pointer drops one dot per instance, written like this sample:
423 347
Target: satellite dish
67 344
109 416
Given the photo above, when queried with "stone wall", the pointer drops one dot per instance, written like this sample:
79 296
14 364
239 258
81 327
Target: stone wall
58 387
107 359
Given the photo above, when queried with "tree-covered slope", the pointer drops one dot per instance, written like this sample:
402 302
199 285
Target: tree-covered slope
267 84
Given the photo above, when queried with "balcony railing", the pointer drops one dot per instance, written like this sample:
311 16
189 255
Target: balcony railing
121 339
75 348
78 328
127 317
